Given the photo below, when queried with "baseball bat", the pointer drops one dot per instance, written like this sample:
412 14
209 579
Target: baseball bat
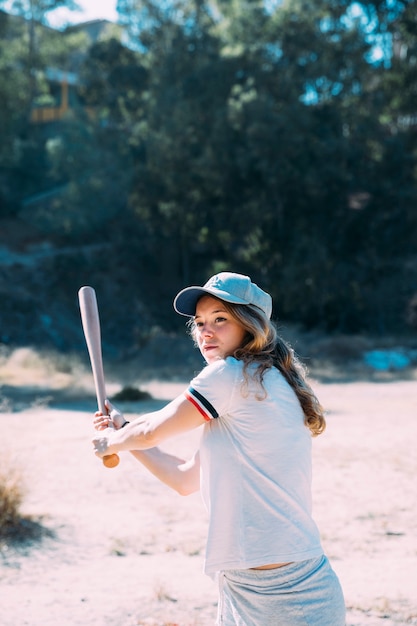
91 326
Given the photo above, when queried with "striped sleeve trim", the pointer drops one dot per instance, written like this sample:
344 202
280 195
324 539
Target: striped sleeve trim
206 409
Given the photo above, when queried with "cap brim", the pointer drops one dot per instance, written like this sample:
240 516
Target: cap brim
186 300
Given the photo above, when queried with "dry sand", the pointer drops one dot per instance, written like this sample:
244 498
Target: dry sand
121 549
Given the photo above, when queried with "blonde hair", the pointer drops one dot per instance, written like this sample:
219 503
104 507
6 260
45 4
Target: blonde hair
263 345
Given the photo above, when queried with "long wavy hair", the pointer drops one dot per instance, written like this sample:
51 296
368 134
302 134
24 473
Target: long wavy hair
263 345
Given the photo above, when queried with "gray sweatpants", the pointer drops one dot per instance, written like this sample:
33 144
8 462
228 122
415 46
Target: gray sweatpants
307 593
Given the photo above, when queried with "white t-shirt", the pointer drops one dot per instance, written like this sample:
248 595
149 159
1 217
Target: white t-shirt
255 458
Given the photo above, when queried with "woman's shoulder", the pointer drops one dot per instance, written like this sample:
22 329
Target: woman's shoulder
222 367
213 389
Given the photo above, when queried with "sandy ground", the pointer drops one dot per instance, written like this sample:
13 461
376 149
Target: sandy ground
121 549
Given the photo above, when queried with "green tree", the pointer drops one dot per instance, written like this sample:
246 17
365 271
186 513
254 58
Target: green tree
258 137
286 176
26 44
34 14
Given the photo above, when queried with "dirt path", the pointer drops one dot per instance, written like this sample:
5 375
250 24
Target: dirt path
123 550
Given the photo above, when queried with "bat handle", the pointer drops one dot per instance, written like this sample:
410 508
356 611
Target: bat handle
110 460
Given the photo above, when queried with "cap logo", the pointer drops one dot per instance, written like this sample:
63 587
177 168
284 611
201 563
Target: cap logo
215 281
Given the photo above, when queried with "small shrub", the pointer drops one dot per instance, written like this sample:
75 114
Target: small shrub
11 497
131 394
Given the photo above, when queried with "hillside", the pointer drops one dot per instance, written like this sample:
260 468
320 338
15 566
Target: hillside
39 283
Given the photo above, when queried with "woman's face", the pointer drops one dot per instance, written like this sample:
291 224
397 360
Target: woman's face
217 333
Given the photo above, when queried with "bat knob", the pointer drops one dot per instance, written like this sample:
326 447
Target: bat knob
111 460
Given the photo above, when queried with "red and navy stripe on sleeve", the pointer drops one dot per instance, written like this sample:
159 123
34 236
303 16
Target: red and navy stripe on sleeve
206 409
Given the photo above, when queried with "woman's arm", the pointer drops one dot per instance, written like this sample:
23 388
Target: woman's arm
143 434
182 476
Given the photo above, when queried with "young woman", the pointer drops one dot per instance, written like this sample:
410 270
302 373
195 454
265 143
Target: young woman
254 462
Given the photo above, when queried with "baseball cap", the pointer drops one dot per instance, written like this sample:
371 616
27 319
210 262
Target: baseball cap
227 286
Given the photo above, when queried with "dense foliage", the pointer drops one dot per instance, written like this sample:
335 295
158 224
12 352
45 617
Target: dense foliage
276 139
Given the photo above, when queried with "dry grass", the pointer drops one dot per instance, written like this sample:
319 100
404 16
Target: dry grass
30 377
16 528
37 368
12 492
